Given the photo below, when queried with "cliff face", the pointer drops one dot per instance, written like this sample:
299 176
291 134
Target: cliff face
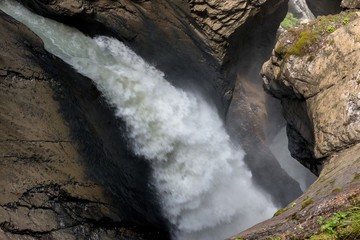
50 148
204 46
314 71
315 88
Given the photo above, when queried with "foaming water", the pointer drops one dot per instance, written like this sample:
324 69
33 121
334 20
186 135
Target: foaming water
205 189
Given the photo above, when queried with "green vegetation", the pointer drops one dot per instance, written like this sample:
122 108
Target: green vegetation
336 189
290 22
342 225
280 211
331 29
311 36
307 203
346 21
332 182
294 216
356 177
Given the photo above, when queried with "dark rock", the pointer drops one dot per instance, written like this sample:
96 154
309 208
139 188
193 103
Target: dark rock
324 7
248 118
61 175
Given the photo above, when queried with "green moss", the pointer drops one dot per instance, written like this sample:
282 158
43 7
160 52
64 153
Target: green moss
346 20
307 203
310 36
280 211
356 177
342 225
336 189
279 49
294 217
331 29
290 21
332 182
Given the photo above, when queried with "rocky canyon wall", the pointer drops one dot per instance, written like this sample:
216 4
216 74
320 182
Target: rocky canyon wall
314 71
54 138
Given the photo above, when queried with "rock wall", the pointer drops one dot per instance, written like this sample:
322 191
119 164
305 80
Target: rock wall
324 7
220 19
314 88
252 117
53 141
314 70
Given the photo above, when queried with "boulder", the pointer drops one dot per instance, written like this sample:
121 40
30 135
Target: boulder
314 85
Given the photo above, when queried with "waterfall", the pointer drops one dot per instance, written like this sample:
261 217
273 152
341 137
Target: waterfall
301 10
205 189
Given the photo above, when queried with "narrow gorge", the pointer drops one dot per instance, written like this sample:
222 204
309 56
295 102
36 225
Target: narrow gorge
161 119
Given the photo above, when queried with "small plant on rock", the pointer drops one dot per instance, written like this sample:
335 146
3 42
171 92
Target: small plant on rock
290 21
331 29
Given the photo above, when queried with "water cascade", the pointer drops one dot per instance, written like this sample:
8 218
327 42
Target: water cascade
301 10
205 189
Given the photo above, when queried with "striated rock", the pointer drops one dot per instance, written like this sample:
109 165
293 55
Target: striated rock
162 32
350 4
51 175
337 189
315 74
220 19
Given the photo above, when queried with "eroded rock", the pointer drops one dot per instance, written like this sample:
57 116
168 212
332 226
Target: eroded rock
337 189
350 4
317 81
50 185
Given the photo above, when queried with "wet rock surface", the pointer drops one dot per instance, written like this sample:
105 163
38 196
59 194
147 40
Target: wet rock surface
319 91
336 189
51 181
317 87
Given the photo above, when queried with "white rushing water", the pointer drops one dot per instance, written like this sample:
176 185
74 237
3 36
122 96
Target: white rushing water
301 10
206 190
